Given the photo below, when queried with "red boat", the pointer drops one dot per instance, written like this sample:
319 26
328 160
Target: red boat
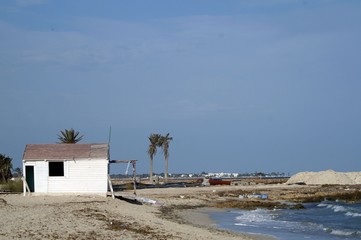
219 181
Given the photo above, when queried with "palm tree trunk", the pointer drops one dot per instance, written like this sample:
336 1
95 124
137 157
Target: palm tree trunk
166 169
151 170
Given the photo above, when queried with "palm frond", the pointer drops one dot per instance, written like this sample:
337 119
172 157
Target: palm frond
69 136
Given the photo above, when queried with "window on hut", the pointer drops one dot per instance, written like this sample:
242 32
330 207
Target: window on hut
56 169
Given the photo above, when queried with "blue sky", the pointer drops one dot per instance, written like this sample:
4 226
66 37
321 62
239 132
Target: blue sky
241 85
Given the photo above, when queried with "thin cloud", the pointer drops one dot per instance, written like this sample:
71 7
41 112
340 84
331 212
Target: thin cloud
187 108
26 3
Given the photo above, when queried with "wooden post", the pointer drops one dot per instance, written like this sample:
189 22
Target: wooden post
111 186
26 186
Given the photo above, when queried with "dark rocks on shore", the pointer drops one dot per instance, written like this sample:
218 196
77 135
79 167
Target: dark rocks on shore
252 205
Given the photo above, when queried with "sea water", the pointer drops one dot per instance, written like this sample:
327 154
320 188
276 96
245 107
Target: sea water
325 220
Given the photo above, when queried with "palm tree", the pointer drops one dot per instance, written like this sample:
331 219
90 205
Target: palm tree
69 136
164 143
5 167
152 150
17 172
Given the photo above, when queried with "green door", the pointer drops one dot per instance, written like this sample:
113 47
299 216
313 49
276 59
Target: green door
29 173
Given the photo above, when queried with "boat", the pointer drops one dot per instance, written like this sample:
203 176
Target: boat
219 181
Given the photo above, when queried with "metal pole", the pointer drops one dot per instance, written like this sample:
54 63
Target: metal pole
134 178
110 134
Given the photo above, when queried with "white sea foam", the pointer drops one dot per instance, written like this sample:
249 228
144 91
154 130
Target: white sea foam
308 224
351 214
242 224
339 209
322 205
335 208
258 215
342 232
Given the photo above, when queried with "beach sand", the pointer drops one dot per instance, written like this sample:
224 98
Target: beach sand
173 213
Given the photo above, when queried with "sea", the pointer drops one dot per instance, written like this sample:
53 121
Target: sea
331 220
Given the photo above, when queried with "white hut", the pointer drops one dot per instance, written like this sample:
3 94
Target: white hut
66 168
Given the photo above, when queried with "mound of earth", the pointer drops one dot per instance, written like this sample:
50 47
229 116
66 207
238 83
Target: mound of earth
326 177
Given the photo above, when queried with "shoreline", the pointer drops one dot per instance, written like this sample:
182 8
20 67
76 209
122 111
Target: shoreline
201 217
94 217
173 213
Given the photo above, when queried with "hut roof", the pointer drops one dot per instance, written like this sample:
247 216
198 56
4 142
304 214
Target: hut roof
65 151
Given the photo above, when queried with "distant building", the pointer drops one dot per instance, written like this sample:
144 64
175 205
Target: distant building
222 174
66 168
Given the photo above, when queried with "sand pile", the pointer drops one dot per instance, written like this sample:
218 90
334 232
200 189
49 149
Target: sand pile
326 177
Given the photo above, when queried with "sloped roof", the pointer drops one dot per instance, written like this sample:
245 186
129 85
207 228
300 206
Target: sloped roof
65 151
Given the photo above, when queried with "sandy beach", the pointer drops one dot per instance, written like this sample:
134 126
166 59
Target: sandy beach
160 213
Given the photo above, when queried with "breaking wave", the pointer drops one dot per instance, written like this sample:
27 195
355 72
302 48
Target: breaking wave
328 220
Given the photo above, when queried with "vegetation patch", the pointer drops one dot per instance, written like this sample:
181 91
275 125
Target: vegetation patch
330 195
353 196
12 186
121 225
134 227
234 193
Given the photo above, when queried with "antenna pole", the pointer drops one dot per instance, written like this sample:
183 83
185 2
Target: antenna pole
110 134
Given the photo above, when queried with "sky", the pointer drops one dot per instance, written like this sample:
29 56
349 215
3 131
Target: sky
240 85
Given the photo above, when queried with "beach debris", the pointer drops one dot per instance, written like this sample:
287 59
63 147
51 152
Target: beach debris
181 196
149 201
3 202
205 182
242 183
260 196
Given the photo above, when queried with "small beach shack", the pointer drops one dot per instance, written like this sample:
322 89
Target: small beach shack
66 168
